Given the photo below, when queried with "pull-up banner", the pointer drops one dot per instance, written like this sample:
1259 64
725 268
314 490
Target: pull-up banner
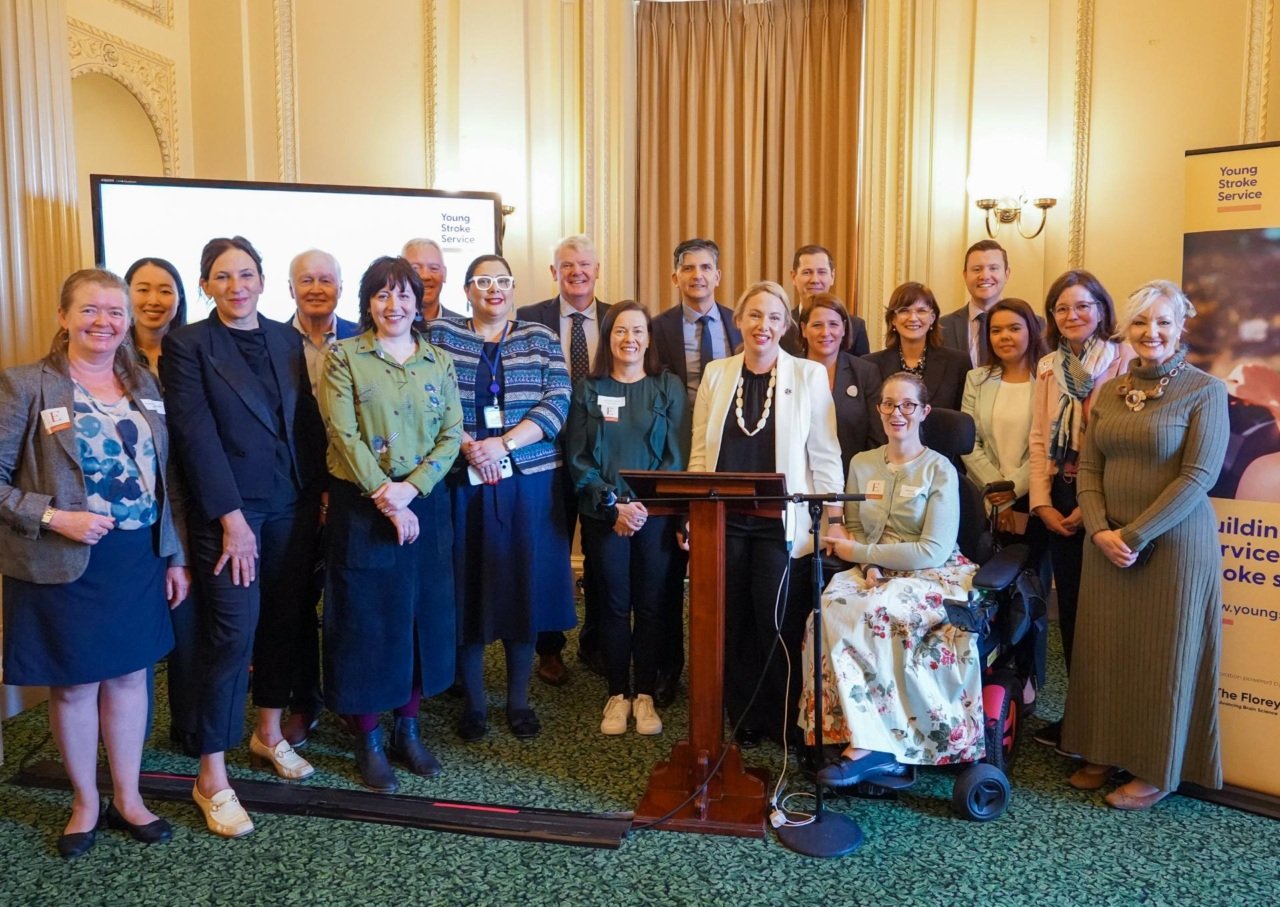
1231 272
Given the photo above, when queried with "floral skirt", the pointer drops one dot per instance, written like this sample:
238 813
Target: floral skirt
897 678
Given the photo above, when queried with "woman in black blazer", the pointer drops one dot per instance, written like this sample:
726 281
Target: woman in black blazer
826 337
913 343
248 434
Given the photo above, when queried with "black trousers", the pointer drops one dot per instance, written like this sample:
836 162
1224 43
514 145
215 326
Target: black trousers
1067 556
631 573
755 564
183 665
258 623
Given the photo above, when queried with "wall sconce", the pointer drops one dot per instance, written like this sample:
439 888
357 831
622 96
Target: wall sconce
1009 210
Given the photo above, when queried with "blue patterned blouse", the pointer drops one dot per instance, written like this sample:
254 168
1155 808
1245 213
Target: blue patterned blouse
118 458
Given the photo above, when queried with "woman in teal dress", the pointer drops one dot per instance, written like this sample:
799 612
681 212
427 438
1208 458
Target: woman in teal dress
628 414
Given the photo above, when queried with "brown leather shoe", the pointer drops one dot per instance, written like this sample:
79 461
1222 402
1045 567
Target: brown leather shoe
551 670
297 728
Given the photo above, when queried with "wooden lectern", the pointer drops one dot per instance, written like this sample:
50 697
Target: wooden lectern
734 799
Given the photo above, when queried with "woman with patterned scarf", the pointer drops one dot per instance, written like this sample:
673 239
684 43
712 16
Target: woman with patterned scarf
1079 319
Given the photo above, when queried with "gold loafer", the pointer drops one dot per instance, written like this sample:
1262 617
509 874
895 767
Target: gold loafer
282 758
223 813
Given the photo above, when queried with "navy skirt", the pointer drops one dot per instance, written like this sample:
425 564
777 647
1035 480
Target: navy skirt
511 558
385 602
112 621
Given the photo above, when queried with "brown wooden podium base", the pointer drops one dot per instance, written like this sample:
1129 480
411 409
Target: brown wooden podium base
733 804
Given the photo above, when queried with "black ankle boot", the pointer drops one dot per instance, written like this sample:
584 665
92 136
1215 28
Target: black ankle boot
371 762
406 747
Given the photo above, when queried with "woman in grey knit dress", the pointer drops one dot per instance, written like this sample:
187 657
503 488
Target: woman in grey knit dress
1143 693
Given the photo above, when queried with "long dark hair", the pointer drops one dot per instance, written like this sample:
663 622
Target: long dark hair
125 363
180 310
602 367
1036 348
389 272
1079 278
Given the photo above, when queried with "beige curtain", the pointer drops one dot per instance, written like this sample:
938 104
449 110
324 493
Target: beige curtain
748 135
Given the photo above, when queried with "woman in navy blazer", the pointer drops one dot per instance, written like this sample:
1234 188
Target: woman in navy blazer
248 434
913 343
93 547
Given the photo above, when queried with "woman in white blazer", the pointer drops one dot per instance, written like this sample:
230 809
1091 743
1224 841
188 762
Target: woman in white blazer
766 411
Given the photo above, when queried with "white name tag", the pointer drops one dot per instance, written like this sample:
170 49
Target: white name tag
493 417
156 406
875 489
609 406
55 419
910 491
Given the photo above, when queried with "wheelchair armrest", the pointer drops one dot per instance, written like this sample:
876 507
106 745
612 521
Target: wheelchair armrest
1000 572
997 487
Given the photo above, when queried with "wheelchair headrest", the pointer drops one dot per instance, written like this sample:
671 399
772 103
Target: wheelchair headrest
949 432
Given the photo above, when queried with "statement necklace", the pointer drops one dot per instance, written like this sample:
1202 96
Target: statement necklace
768 403
918 368
1136 398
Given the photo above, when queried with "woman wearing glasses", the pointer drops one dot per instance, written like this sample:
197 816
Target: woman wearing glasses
510 548
1080 320
913 344
904 687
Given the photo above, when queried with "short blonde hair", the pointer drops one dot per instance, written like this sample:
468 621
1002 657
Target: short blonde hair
1146 296
772 289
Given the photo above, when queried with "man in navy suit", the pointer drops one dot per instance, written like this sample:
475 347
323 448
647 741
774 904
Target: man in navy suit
315 283
577 318
812 272
428 261
986 271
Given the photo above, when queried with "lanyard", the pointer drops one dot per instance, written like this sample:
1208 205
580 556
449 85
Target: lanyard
494 387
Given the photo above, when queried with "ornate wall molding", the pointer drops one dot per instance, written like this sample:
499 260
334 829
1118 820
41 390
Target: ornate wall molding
1080 132
591 148
286 90
429 83
1253 113
160 10
148 76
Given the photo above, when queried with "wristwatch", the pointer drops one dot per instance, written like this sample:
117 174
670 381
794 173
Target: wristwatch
509 443
47 517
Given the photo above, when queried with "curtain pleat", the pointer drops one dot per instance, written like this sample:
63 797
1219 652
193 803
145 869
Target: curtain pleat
748 136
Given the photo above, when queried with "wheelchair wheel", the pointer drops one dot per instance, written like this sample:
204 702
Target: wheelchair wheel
1002 707
981 793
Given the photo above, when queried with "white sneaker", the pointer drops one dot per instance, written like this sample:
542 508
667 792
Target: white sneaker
616 712
647 721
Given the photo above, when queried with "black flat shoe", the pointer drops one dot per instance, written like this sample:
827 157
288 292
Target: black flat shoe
523 723
748 738
76 844
156 832
472 726
846 771
665 690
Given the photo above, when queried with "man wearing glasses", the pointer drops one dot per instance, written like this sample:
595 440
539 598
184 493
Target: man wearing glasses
577 317
986 271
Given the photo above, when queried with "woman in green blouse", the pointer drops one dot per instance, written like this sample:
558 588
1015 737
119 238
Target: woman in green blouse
390 405
628 414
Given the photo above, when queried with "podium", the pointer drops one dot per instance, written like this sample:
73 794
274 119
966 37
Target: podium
689 792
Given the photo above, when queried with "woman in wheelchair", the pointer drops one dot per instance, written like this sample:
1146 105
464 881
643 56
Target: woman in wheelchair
901 685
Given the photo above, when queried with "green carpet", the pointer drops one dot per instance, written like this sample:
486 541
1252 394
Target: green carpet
1054 846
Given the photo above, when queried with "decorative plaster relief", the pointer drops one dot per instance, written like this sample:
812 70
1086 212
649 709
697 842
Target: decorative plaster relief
1253 116
286 91
429 88
1080 132
160 10
148 76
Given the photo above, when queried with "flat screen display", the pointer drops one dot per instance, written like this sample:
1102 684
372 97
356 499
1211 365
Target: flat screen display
136 217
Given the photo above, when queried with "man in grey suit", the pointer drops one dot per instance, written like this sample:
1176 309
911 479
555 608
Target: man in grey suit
986 271
577 318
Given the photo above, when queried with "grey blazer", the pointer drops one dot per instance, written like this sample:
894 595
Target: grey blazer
39 470
955 329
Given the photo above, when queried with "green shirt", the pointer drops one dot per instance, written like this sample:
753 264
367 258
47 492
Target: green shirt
389 421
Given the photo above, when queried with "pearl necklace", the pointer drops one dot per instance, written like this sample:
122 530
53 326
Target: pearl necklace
768 403
1135 398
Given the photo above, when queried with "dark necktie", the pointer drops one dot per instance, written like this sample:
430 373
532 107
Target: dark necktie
980 343
579 363
705 354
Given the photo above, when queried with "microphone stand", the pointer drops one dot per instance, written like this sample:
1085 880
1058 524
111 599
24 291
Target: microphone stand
829 834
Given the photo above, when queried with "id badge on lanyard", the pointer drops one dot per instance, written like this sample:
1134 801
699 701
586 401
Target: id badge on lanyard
492 413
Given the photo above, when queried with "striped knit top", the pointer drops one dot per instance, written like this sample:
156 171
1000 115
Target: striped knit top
535 384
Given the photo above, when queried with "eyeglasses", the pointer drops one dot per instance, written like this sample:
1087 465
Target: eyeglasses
906 407
1080 309
485 283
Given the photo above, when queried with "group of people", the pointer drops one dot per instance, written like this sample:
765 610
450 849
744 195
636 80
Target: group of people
425 472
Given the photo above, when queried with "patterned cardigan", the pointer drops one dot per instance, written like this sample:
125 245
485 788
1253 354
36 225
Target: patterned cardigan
535 384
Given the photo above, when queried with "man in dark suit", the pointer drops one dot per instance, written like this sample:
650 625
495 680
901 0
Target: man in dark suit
315 283
428 260
699 329
986 271
577 318
687 337
813 271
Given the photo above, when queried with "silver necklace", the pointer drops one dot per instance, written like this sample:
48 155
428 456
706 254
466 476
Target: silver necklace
768 403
